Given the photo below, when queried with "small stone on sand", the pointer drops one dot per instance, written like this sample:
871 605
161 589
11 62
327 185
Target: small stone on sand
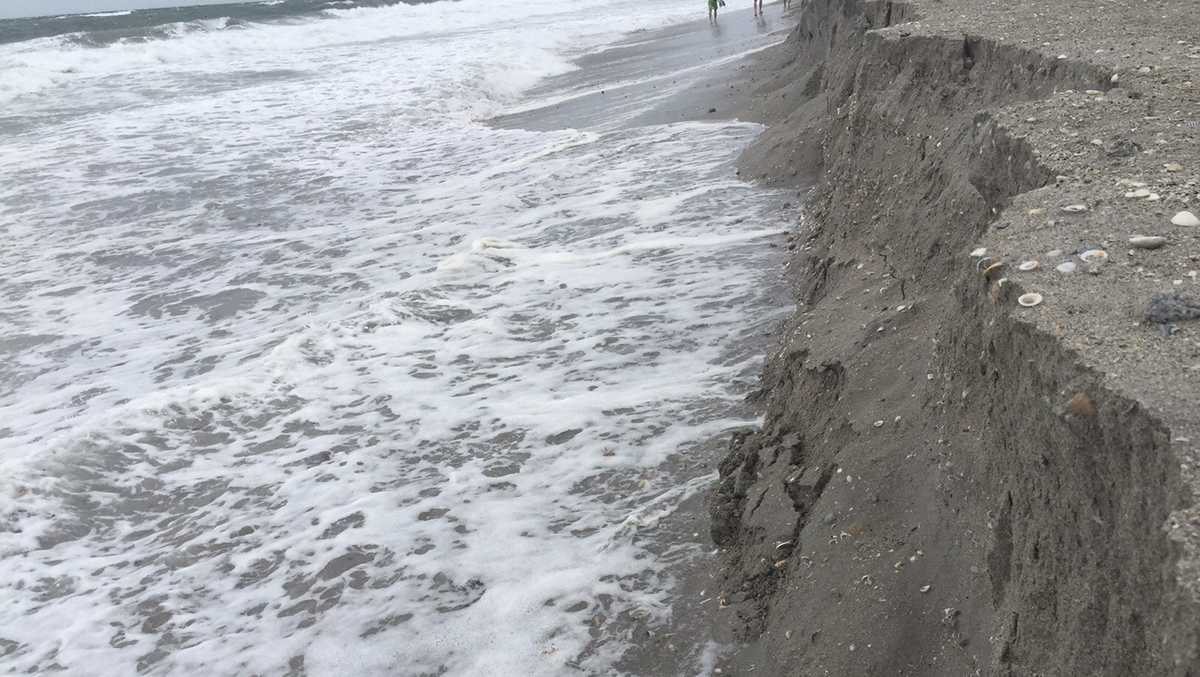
1147 241
1173 167
1066 267
1075 209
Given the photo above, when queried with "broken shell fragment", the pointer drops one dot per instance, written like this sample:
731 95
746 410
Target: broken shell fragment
1027 266
1147 241
1029 300
1094 256
1185 219
1140 192
993 268
1075 209
978 251
1065 267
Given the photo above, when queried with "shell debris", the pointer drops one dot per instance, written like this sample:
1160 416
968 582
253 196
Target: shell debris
1029 300
1026 266
1185 218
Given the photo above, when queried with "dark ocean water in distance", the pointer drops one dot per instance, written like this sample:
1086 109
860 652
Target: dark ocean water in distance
106 28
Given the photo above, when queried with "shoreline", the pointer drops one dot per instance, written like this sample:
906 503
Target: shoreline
947 482
655 67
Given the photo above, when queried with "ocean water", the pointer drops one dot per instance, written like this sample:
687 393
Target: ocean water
307 369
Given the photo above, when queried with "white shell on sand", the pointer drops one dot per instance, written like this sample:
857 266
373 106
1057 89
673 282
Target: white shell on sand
1028 266
1094 256
1029 300
1075 209
1147 241
1054 252
978 251
1066 267
1140 192
1185 219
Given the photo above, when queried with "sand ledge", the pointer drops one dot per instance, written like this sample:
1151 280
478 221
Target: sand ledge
947 483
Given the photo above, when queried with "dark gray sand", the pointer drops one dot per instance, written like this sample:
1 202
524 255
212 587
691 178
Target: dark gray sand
948 482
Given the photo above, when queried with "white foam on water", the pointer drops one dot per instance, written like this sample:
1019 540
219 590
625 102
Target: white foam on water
306 370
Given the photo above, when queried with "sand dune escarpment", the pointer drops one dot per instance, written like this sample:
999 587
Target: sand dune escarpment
947 482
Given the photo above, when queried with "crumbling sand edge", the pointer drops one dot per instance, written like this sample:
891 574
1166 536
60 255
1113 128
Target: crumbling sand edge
947 483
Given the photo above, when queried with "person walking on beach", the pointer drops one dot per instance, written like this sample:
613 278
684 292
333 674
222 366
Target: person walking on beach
712 10
758 10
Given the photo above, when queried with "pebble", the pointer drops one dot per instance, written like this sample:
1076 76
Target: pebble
1140 192
1075 209
926 588
1173 167
1066 267
1147 241
878 424
1185 219
1144 69
978 251
1054 252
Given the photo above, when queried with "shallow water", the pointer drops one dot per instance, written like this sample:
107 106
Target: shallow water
309 370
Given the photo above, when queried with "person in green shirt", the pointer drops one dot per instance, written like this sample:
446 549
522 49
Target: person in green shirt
712 10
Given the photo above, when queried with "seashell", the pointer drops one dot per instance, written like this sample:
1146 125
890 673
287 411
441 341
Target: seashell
984 262
978 251
1027 266
1029 300
1140 192
1094 256
1054 252
1153 197
1066 267
1147 241
1185 219
1075 209
997 266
